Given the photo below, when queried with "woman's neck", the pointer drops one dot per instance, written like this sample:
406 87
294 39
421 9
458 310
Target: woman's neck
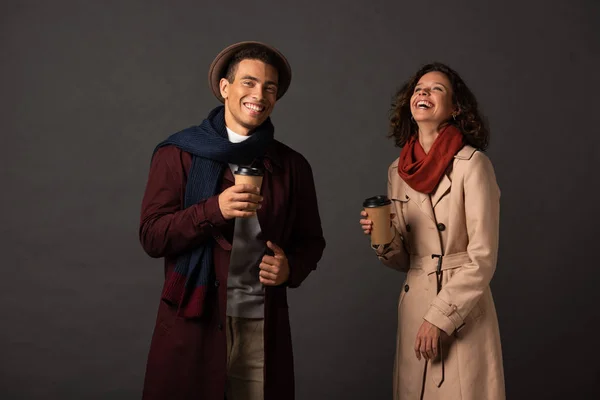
427 135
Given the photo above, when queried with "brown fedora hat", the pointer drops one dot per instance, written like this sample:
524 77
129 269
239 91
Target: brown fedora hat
218 68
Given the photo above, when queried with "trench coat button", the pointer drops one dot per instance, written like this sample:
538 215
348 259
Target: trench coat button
441 227
406 288
407 228
217 283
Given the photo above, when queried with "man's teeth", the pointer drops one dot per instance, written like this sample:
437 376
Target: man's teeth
254 107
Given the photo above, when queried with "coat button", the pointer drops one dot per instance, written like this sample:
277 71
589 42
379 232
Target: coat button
407 228
217 283
406 288
441 227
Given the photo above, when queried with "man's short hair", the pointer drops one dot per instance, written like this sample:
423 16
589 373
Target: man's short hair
259 53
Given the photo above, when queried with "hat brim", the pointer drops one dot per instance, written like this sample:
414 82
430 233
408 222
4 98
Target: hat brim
218 68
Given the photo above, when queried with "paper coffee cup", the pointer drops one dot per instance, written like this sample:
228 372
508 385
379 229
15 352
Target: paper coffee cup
249 176
378 210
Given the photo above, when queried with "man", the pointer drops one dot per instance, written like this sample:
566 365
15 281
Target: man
231 251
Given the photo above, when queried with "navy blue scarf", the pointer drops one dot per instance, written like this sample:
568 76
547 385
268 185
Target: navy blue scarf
211 153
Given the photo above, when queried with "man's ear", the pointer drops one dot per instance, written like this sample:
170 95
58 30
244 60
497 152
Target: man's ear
224 87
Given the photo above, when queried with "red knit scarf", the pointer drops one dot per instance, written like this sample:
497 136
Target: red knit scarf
423 171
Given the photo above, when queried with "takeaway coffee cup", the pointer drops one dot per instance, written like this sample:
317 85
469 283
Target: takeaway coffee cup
248 175
378 210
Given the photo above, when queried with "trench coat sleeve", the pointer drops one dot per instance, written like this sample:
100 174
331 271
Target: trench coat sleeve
394 254
482 209
307 242
165 229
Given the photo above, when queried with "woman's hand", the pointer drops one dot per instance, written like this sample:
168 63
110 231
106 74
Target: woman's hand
428 339
367 224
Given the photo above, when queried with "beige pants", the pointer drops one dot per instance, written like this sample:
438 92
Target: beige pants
245 359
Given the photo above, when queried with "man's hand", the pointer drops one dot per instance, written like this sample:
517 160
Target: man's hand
274 270
240 201
428 339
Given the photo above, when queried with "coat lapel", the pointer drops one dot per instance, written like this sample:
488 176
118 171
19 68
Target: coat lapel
441 190
402 191
445 184
421 200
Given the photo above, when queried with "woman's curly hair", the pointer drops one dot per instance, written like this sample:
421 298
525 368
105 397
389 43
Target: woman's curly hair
469 120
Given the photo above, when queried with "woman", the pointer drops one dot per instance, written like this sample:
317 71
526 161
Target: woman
445 218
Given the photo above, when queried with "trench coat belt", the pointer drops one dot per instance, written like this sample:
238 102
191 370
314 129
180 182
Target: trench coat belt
450 261
429 264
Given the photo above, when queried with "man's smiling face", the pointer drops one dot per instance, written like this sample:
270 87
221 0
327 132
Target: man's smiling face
250 97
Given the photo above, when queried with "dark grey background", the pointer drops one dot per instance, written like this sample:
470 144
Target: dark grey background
88 88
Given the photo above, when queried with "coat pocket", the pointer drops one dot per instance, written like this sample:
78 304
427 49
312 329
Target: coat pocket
165 320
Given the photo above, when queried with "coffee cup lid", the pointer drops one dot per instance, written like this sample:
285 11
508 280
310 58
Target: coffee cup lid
377 201
249 171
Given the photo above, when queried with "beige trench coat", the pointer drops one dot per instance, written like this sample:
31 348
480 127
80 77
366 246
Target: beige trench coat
459 220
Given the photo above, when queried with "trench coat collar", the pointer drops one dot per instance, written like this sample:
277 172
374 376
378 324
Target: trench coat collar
426 203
